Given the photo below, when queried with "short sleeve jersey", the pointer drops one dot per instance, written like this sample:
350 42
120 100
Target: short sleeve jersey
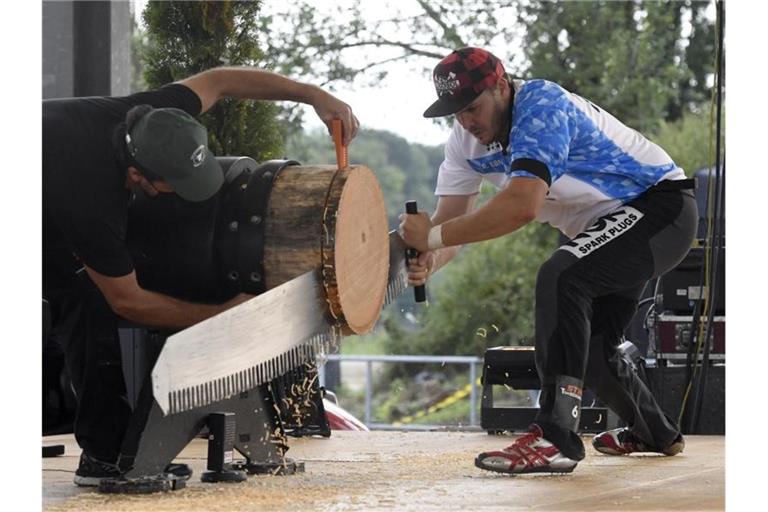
85 200
592 162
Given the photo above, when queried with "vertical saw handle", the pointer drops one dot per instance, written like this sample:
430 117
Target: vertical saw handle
342 155
420 291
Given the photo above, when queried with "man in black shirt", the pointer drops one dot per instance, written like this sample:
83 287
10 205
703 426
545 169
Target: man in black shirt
96 151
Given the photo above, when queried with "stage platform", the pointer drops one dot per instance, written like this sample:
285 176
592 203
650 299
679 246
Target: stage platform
419 471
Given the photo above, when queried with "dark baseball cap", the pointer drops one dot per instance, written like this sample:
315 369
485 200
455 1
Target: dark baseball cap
461 77
173 145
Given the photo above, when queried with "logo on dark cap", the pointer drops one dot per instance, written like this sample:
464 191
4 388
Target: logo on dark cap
447 84
198 156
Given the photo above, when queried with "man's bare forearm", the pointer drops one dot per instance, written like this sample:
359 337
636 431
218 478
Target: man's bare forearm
158 310
259 84
245 82
443 256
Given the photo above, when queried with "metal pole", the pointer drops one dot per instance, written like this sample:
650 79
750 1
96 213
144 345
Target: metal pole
368 391
472 395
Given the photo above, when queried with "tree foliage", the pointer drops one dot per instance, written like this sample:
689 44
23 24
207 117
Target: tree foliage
184 38
688 140
344 42
630 57
323 43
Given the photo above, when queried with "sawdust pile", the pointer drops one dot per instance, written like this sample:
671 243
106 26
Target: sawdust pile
368 482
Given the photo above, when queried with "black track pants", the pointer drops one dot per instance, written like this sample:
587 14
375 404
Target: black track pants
86 328
586 295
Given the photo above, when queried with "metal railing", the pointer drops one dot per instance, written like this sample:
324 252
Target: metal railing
471 361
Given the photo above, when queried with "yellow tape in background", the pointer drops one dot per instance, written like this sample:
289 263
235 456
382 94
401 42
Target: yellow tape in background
447 401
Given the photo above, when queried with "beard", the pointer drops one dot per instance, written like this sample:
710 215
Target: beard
499 122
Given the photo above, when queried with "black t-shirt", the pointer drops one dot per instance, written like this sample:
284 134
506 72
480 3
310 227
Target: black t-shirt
85 200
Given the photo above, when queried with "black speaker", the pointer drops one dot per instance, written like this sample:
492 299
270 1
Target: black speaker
682 286
668 385
702 192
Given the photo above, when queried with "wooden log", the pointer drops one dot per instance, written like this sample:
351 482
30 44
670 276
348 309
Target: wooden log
315 217
321 216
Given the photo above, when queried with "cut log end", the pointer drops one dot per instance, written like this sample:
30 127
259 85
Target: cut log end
361 251
336 220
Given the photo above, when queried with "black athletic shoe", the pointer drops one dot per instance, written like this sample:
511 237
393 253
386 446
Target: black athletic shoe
92 471
180 471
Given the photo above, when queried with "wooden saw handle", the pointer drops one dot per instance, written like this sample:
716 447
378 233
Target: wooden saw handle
342 155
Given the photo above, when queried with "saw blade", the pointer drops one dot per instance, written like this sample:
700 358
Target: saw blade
243 347
397 281
256 341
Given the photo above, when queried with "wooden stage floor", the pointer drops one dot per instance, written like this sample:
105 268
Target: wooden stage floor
419 471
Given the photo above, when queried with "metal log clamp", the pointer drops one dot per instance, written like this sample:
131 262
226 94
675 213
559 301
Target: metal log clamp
243 223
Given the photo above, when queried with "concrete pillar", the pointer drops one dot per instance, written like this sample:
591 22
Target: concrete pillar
58 65
121 27
86 48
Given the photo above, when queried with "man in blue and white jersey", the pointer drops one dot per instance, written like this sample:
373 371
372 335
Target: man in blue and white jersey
623 203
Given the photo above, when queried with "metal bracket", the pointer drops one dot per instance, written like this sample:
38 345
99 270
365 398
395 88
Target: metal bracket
221 446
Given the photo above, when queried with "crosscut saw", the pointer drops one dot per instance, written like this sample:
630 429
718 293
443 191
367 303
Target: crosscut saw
256 341
260 339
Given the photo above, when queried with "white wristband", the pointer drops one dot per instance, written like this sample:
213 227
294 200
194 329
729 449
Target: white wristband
435 238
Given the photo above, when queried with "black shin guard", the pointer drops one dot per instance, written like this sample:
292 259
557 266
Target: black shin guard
560 413
566 410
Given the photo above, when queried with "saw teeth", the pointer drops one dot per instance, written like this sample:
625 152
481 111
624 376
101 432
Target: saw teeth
226 387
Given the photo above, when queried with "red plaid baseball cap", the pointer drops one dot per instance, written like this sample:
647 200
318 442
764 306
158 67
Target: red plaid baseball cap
461 77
